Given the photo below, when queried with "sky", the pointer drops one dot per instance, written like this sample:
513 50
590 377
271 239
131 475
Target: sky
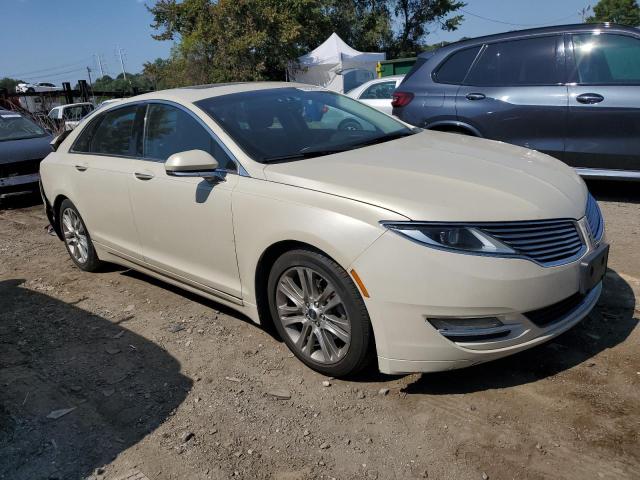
55 40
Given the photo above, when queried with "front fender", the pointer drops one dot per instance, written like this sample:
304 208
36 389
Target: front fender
266 213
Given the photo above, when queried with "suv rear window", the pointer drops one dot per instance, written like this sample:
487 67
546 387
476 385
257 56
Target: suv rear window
532 61
454 69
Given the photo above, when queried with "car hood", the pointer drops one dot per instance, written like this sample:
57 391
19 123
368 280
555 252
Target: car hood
434 176
12 151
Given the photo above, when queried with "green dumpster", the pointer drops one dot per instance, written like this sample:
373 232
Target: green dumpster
398 66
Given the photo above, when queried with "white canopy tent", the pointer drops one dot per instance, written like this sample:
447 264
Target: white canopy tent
335 65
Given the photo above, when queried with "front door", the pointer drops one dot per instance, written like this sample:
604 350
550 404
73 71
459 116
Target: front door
515 93
185 224
604 102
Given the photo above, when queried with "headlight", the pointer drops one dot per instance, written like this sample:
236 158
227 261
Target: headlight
450 237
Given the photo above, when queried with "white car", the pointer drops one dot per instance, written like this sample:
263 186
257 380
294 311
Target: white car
378 93
427 250
71 114
36 87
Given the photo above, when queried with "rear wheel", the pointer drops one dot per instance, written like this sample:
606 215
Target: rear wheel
350 124
319 313
77 239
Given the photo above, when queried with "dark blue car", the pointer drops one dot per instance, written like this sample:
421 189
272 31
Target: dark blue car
23 145
570 91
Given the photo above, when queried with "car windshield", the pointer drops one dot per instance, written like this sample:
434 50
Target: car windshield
285 124
14 126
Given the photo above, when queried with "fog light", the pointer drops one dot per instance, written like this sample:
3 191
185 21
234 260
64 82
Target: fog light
465 323
466 330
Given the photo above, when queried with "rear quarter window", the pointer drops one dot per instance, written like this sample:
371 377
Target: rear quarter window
455 68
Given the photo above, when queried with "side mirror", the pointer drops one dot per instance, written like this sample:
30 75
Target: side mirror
193 163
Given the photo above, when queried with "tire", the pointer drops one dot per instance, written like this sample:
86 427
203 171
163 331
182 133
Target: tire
328 329
76 238
350 124
31 90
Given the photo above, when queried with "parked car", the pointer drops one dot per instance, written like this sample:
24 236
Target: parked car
71 114
36 87
378 93
23 144
570 91
434 251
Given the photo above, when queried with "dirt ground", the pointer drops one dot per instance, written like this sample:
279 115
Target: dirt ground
115 375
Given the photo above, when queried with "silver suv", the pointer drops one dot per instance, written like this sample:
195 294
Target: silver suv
570 91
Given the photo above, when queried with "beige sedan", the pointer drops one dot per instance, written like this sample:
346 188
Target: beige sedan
426 251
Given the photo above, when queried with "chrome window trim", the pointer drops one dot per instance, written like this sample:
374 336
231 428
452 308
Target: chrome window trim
240 169
579 254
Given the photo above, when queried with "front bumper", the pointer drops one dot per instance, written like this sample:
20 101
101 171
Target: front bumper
415 283
18 184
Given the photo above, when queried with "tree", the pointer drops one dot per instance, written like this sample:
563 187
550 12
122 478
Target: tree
244 40
9 83
416 15
624 12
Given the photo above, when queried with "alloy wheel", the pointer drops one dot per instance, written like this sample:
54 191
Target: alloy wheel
75 235
313 315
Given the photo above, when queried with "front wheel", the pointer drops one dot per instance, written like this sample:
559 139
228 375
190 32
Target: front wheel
319 313
77 239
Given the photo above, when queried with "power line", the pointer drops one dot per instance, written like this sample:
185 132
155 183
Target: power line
52 75
43 71
517 24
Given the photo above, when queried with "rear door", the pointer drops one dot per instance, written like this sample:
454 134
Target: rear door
516 92
102 161
604 102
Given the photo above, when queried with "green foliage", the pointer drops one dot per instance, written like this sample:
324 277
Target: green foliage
245 40
119 84
9 84
624 12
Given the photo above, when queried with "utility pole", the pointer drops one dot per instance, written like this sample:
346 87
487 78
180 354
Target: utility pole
99 60
120 51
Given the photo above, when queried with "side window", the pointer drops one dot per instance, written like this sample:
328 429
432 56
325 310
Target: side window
113 133
170 130
533 61
379 91
602 59
455 68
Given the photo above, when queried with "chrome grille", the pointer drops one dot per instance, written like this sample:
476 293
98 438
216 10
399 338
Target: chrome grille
547 242
594 218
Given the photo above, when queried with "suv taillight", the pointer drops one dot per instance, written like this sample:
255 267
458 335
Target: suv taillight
401 99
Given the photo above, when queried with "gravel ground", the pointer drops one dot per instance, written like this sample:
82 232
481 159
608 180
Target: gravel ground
118 376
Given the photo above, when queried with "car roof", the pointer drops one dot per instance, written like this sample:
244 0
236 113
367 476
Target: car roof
74 104
515 34
200 92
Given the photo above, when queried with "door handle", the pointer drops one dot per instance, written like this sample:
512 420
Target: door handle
590 98
143 176
80 167
476 96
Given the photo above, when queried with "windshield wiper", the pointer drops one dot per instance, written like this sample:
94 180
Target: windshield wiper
382 139
310 152
305 154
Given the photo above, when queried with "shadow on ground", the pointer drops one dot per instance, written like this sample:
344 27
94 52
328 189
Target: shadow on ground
608 325
20 201
615 191
56 356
